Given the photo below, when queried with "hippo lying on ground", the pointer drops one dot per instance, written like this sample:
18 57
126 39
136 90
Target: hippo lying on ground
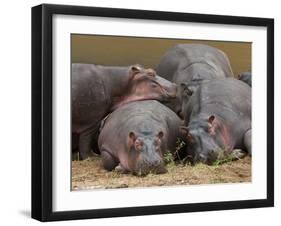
192 63
217 119
246 77
98 90
137 135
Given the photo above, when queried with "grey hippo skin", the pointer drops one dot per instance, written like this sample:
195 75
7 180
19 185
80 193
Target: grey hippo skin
98 90
135 137
192 63
246 77
217 120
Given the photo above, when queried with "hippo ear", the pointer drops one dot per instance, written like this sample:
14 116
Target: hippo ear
135 69
211 125
211 119
185 90
183 85
131 139
160 134
132 136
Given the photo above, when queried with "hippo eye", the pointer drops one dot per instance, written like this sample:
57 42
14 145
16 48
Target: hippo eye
151 72
154 84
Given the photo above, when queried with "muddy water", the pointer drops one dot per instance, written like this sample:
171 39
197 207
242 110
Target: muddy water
114 50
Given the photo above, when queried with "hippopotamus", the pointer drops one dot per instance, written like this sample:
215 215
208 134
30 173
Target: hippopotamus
246 77
135 137
97 90
192 63
217 120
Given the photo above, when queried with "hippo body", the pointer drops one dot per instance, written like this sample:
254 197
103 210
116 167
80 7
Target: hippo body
193 63
98 90
217 119
246 77
136 136
187 62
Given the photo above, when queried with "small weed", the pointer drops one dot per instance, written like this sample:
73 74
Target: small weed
179 144
225 156
220 161
180 152
168 158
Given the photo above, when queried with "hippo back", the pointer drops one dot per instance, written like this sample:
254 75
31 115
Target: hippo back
142 116
183 56
88 96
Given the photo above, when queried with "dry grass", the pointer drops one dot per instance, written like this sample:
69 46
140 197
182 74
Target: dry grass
89 174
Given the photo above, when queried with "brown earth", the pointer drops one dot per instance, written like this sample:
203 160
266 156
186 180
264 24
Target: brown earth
89 174
123 51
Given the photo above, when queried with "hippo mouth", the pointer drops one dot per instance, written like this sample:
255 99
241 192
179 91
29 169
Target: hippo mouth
169 95
167 98
142 173
144 170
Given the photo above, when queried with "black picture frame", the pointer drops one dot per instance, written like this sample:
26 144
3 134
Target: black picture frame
42 111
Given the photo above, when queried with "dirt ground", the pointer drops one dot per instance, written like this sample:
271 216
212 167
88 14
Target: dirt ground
89 174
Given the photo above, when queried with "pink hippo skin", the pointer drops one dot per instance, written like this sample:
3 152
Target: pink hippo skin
98 90
137 135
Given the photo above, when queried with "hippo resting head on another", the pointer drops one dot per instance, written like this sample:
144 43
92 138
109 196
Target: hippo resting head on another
97 90
135 137
144 84
217 120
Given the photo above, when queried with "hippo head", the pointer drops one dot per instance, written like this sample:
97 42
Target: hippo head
196 71
184 91
205 138
145 154
145 84
176 104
